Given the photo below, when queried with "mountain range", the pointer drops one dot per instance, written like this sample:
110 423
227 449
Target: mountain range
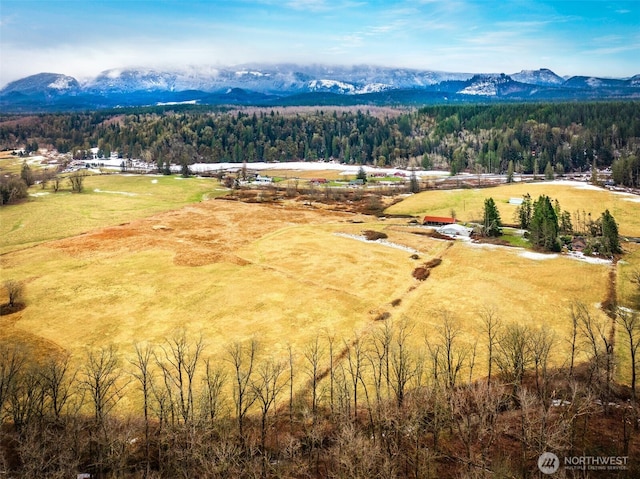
289 84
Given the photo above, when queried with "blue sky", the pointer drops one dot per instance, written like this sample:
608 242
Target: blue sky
84 37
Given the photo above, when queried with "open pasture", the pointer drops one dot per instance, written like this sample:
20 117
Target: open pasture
282 274
468 204
106 200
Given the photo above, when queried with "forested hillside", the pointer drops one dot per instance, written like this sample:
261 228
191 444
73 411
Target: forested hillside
535 137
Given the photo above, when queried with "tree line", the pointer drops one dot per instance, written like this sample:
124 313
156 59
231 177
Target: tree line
374 406
534 137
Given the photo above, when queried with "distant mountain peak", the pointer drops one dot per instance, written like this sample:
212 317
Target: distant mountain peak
43 83
276 84
541 77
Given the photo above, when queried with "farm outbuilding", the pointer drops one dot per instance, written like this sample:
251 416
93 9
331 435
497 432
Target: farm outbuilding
437 220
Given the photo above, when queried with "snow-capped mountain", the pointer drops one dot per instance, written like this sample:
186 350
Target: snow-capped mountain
542 77
287 84
43 83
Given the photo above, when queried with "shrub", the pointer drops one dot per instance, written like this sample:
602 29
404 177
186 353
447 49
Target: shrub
421 273
372 235
12 189
432 263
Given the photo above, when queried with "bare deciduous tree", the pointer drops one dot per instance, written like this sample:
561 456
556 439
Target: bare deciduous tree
242 358
355 365
266 388
447 354
76 180
142 374
314 354
542 341
178 363
102 379
12 360
378 356
214 380
403 364
57 381
514 355
630 321
595 333
491 325
15 292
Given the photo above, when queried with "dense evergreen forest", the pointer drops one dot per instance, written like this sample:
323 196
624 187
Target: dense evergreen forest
534 137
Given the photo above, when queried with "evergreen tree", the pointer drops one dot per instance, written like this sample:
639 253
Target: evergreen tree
610 239
362 175
510 172
491 222
185 170
544 227
523 212
548 171
594 174
414 184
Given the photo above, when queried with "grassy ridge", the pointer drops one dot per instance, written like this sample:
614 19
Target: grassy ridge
469 203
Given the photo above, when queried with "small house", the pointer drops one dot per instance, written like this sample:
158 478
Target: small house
263 180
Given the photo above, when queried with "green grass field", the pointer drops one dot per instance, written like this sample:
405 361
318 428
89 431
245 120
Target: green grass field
106 200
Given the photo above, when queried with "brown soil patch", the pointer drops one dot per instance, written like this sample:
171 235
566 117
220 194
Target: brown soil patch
200 234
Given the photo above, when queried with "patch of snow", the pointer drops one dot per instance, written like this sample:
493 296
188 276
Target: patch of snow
373 88
248 72
154 181
594 82
587 259
455 230
186 102
61 83
125 193
379 241
309 166
44 193
581 185
485 88
537 256
331 85
485 245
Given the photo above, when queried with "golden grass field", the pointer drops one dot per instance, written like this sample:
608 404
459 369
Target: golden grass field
572 196
112 268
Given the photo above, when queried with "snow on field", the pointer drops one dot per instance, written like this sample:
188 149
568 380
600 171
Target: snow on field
537 256
571 255
532 255
308 166
379 241
581 185
125 193
628 196
485 245
589 259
